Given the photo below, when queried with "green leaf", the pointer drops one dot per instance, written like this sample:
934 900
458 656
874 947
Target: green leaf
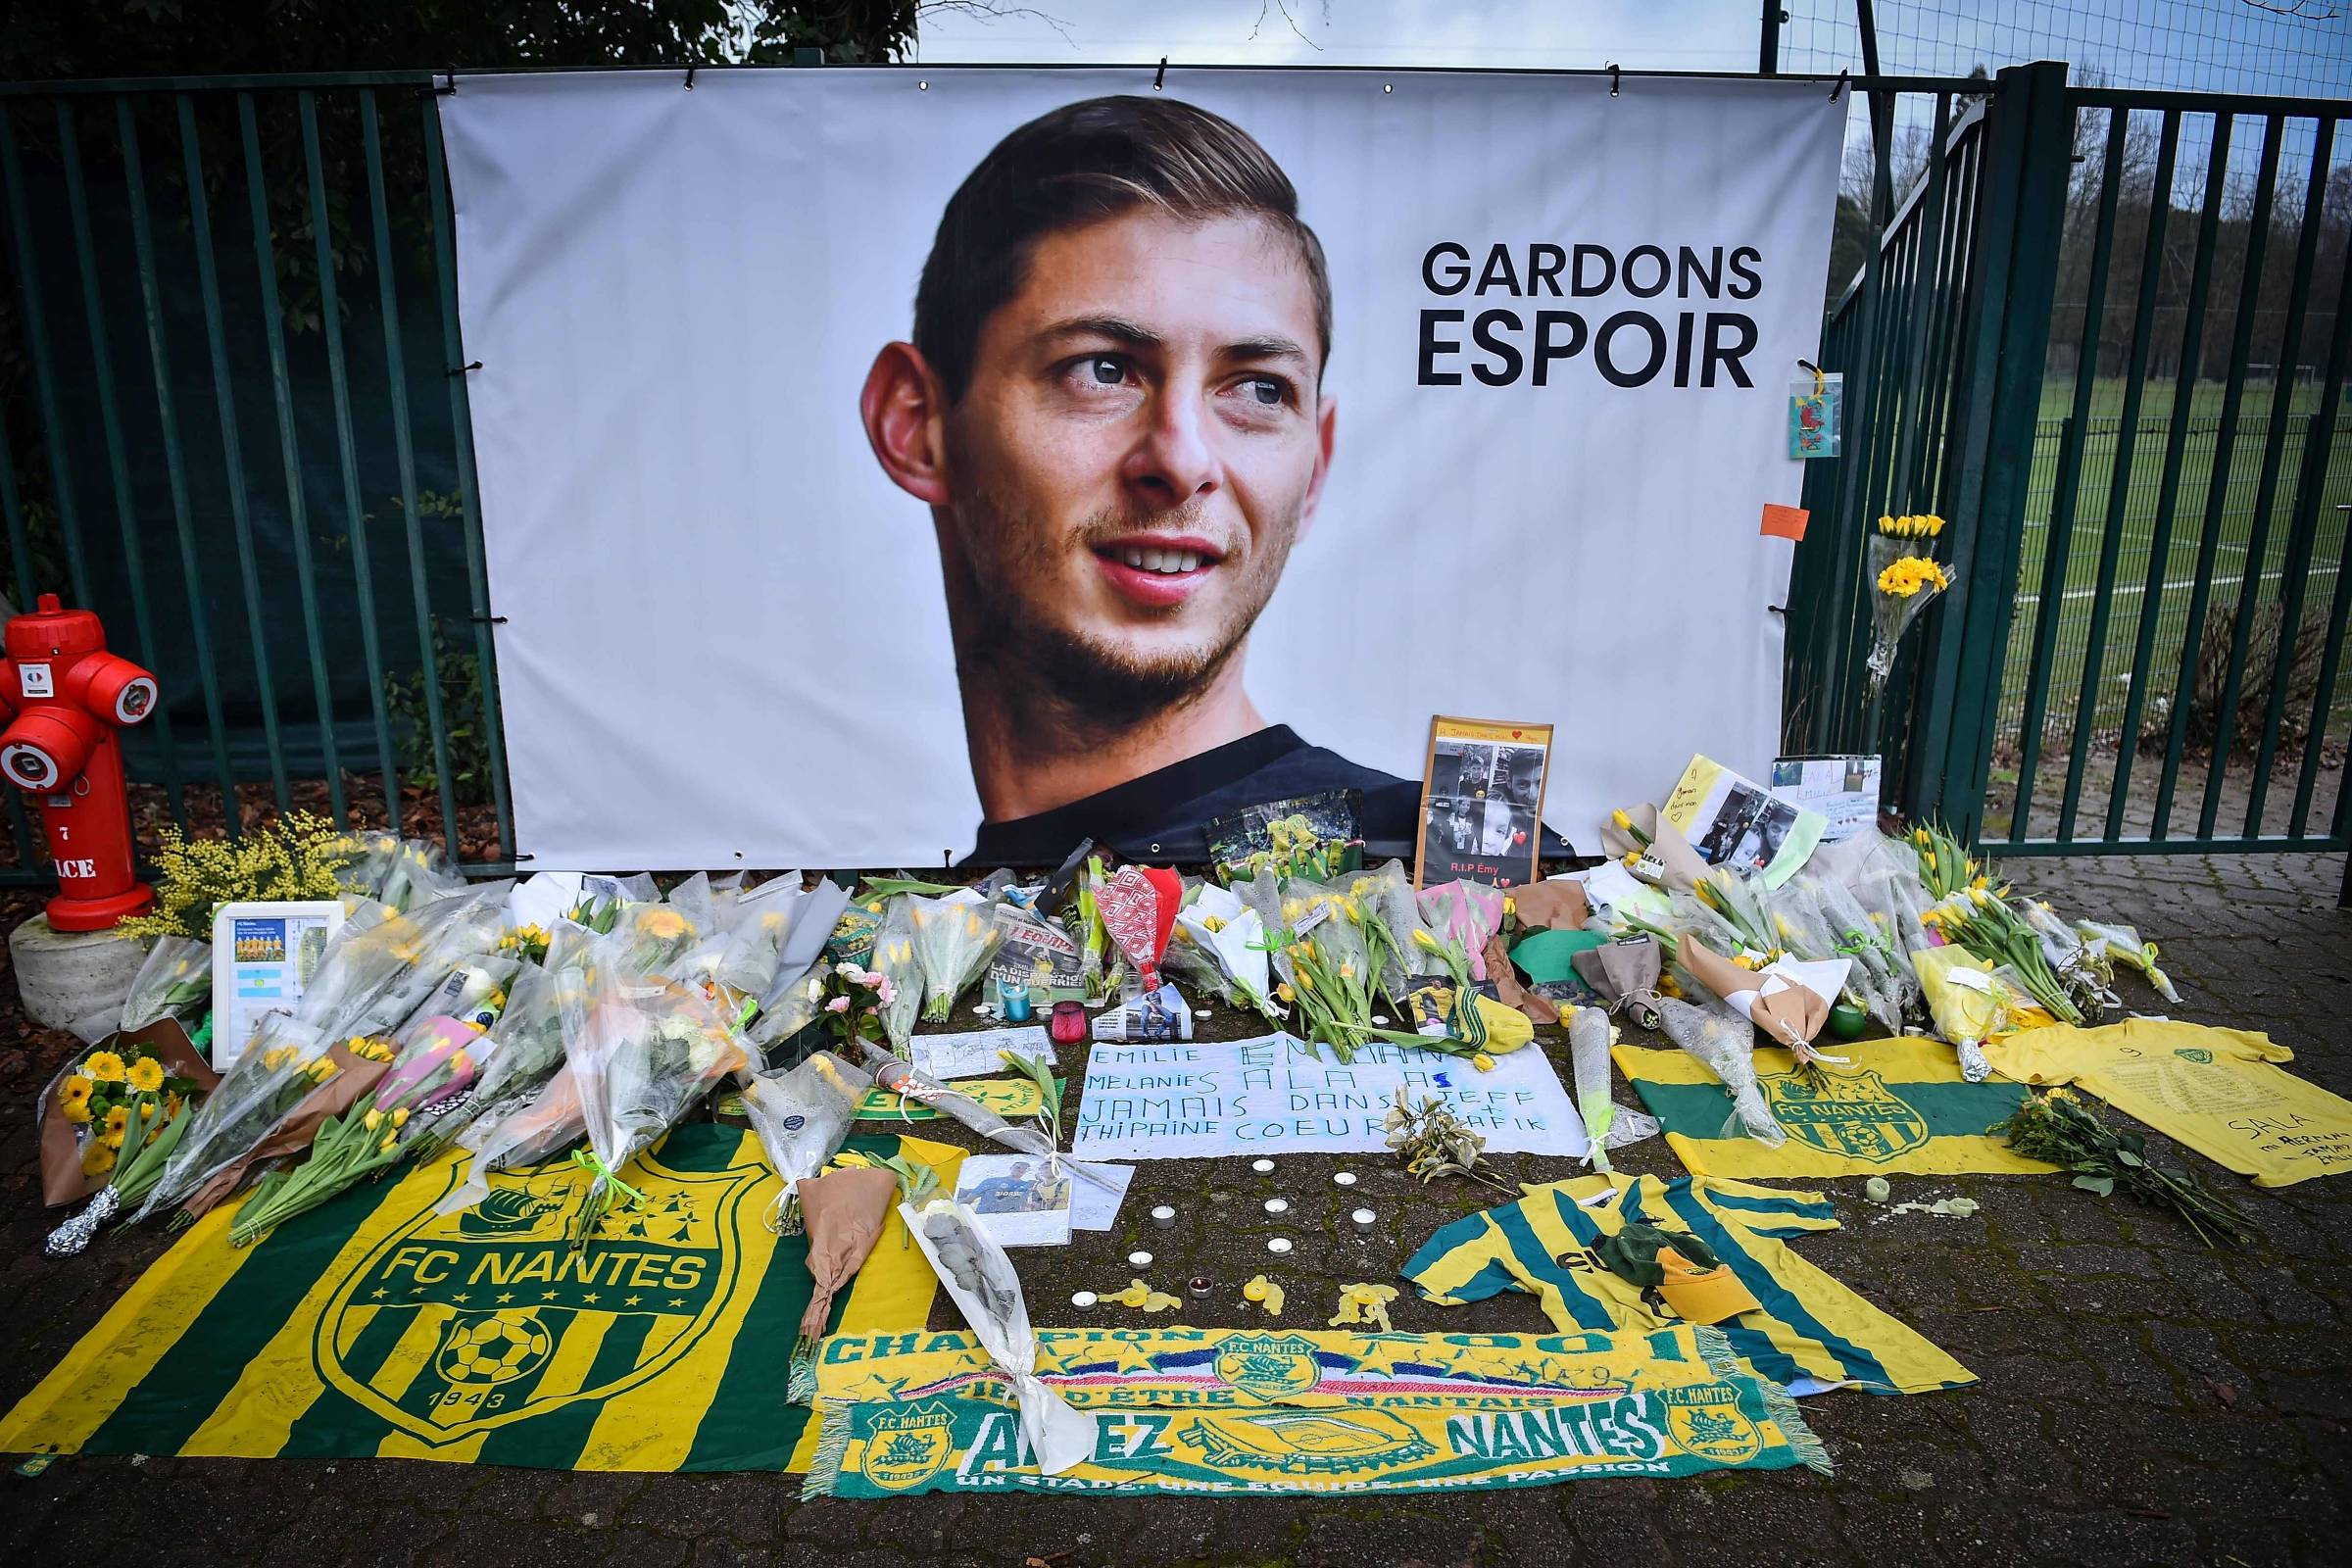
2104 1186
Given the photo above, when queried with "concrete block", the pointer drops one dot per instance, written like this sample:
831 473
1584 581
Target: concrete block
73 980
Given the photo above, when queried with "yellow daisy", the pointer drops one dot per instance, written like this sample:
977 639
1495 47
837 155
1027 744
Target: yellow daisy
103 1066
147 1075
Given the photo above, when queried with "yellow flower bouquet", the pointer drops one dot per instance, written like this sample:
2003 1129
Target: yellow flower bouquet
1906 579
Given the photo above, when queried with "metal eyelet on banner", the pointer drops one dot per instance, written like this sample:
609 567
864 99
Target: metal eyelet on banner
1614 73
1844 79
1160 81
690 78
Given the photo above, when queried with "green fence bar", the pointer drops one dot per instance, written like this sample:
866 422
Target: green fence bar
44 373
461 411
2300 539
1924 303
12 509
232 460
175 473
2217 494
2317 443
2119 486
289 446
118 463
2058 544
404 453
2168 492
330 326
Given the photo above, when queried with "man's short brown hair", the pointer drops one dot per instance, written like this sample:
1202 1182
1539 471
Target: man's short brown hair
1078 164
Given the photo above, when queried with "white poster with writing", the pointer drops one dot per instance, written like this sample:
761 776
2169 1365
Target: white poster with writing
1204 1100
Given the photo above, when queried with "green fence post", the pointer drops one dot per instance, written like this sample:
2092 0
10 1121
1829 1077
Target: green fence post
2015 269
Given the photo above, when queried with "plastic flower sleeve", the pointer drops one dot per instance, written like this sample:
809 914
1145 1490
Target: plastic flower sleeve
641 1049
1967 1001
893 955
1867 942
951 943
175 981
763 923
283 1062
900 1079
370 981
2124 946
1589 1054
974 1266
1467 912
803 1116
1723 1047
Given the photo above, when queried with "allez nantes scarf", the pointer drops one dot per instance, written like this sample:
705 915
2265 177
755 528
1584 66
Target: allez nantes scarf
1237 1412
374 1327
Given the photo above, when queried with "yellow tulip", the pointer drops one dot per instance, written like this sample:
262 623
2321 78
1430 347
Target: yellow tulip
373 1120
400 1118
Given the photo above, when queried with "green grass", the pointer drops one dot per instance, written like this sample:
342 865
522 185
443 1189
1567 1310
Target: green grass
2232 524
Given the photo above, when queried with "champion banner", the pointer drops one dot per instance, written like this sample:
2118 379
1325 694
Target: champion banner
1239 1411
1001 456
1901 1108
374 1327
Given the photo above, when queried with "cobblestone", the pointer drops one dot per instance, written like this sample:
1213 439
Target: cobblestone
2143 1400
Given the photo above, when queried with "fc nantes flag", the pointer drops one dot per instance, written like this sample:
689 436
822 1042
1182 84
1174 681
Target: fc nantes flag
1900 1107
371 1326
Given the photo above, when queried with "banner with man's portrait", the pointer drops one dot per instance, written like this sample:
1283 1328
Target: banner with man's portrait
891 467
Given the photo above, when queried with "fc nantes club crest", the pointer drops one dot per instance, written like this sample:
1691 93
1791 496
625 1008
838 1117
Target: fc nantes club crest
1706 1421
453 1326
905 1447
1268 1366
1849 1114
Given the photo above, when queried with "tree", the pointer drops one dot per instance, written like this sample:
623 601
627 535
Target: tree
52 39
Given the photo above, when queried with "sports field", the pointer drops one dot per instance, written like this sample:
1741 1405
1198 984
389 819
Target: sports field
2149 600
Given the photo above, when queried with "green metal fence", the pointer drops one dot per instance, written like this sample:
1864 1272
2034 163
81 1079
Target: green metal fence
234 421
2149 482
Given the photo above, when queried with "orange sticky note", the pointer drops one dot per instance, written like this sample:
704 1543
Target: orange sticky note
1784 523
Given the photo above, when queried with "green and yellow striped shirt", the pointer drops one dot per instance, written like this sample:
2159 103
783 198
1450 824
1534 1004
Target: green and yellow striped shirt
1809 1332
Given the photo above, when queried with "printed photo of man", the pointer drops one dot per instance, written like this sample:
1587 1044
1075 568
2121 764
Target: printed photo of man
1113 403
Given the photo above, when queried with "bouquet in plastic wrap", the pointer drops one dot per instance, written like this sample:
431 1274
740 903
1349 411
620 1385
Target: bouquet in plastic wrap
1986 925
2124 946
2082 967
522 1050
952 942
1606 1123
1228 940
752 963
803 1116
372 978
1802 911
895 960
175 981
277 1076
974 1266
1465 914
1905 579
900 1079
1864 938
641 1049
396 872
1885 881
369 1137
1968 1003
1725 1046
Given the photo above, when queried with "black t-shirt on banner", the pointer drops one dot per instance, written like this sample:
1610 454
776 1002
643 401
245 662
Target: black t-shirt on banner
1160 816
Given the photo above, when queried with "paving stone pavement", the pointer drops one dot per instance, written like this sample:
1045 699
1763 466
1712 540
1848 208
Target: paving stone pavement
2143 1400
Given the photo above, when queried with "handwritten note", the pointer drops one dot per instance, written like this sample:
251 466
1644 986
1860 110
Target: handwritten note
1200 1100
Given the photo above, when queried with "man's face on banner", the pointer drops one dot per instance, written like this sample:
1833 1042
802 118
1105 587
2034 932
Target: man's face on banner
1140 443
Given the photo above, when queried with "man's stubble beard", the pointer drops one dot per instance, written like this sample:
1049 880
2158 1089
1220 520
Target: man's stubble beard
1047 674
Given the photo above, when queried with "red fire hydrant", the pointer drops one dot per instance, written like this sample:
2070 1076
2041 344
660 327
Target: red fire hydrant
64 696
